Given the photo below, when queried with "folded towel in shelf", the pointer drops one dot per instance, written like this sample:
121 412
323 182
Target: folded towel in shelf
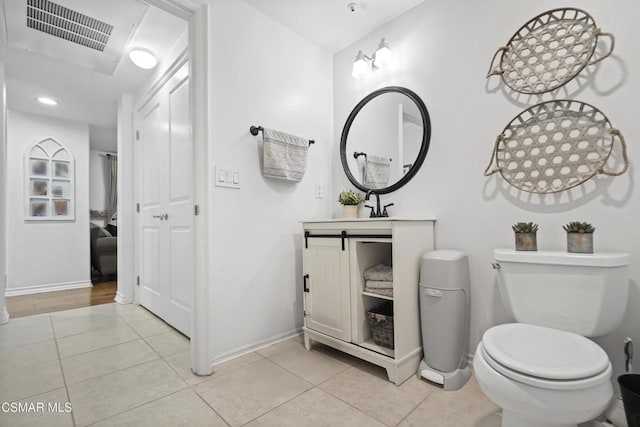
385 292
378 284
377 170
285 156
379 272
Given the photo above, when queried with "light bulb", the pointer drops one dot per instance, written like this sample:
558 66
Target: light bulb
360 66
382 55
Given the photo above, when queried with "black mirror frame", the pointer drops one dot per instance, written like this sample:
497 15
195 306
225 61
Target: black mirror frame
424 147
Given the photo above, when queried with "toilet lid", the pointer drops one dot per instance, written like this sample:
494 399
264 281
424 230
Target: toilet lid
544 352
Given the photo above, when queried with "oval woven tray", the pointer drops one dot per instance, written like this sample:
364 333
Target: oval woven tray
549 50
554 146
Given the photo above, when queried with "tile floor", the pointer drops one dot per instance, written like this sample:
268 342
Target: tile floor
118 365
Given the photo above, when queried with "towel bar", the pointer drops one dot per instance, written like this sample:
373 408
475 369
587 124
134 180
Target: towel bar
357 154
255 129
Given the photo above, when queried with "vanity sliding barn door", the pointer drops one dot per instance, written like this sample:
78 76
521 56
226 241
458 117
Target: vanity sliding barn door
164 156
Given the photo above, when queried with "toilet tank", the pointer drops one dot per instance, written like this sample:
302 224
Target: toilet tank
581 293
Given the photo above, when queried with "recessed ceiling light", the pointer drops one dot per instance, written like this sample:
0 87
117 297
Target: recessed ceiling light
143 58
46 101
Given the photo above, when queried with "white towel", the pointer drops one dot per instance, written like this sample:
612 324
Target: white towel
379 272
377 170
285 156
385 292
378 284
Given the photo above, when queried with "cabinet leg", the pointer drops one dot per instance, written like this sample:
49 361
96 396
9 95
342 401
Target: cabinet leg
392 374
307 341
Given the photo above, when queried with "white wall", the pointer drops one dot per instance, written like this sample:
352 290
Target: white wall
442 51
46 254
262 74
99 178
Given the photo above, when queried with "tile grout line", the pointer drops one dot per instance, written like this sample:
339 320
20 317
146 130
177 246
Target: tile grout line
117 370
321 382
64 378
136 407
100 348
208 405
211 377
415 408
344 401
142 404
313 386
281 404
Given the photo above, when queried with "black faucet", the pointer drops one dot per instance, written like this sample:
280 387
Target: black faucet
375 212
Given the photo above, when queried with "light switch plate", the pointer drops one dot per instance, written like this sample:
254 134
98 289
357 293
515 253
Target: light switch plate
227 178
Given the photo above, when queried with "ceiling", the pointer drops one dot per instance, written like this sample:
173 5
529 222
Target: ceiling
330 23
87 83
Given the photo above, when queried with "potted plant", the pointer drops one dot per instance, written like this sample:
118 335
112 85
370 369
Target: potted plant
579 237
350 201
525 236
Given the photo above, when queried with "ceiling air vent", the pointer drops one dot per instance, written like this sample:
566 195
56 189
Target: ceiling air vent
51 18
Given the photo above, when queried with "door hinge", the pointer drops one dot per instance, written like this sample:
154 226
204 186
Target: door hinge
305 313
138 207
138 280
137 135
196 210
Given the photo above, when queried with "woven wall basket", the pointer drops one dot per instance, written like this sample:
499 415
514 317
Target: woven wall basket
554 146
549 50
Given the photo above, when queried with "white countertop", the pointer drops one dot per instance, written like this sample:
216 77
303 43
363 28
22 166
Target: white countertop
389 218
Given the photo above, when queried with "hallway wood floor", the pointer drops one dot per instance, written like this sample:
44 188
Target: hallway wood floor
49 302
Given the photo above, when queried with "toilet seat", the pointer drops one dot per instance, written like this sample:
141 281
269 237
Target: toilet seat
544 357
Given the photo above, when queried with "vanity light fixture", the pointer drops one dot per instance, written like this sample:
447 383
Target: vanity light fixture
46 100
143 58
380 59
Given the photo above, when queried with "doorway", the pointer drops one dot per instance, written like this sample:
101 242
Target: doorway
195 12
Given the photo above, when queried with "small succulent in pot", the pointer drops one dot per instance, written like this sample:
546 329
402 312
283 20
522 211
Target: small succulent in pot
579 237
526 239
350 201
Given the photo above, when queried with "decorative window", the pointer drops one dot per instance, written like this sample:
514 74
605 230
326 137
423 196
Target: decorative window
50 185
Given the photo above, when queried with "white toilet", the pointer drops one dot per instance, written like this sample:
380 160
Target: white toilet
542 371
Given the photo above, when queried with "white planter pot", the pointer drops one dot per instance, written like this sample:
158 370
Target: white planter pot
350 211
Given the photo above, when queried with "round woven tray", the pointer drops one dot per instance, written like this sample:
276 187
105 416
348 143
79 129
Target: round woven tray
554 146
549 50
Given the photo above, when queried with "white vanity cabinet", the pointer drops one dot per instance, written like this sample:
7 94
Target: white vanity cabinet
335 255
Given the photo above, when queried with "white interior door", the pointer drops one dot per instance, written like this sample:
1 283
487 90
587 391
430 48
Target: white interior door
165 154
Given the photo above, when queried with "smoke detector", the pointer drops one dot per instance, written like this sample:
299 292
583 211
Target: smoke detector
353 7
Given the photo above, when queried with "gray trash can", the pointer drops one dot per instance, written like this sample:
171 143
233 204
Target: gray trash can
444 318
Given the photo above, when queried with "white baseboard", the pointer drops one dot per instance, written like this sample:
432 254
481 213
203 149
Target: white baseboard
36 289
120 299
4 316
249 348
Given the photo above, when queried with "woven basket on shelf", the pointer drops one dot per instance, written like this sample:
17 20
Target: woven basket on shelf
380 320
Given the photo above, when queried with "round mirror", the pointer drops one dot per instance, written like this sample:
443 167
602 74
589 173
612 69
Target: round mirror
385 139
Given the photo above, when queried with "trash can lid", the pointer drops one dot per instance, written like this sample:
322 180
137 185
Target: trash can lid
444 254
